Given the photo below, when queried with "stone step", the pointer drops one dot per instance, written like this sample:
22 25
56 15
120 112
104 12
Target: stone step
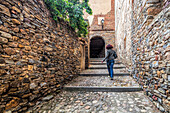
104 63
99 60
103 84
102 89
116 74
102 60
116 66
103 81
106 67
104 72
96 59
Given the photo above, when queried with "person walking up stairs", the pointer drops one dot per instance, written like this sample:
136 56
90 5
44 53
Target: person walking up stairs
110 59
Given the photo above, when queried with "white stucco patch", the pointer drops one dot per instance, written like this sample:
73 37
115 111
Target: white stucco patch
100 6
90 18
99 20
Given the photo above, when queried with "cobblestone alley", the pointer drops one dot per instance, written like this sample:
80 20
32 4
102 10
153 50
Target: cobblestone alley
94 92
51 54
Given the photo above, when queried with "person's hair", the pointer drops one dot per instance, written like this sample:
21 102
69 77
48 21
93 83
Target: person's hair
109 46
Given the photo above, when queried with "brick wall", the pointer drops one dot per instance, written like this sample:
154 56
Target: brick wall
109 23
36 55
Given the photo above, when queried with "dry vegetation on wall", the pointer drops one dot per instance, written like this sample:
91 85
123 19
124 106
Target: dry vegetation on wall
36 56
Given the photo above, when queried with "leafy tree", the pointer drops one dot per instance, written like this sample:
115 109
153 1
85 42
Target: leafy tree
71 11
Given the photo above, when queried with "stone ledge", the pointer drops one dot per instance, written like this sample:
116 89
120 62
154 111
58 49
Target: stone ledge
116 74
102 89
106 67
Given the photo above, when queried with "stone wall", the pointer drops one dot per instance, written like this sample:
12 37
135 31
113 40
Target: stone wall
123 23
102 9
151 49
108 36
36 55
109 19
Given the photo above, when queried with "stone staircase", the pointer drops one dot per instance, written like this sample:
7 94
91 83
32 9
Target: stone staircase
93 92
95 79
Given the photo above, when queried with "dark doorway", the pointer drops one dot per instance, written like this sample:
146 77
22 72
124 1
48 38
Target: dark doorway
97 47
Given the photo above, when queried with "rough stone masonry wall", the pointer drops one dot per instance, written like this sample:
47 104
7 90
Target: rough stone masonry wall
36 55
151 49
123 32
108 36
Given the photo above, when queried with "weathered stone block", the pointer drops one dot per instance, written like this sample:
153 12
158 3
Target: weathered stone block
28 48
48 48
23 31
153 10
13 103
16 9
15 38
27 95
9 61
15 21
16 29
2 71
161 90
3 28
6 35
21 46
30 67
4 10
152 1
48 98
13 44
10 51
3 40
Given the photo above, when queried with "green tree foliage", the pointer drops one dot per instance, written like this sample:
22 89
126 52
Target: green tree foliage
71 11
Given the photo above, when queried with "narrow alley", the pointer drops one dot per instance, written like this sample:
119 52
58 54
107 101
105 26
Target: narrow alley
93 92
52 51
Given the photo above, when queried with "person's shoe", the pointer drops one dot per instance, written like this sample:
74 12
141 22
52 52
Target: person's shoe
111 78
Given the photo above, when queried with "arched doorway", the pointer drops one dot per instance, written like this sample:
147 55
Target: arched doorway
97 47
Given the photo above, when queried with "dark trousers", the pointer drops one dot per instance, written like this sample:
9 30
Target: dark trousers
110 64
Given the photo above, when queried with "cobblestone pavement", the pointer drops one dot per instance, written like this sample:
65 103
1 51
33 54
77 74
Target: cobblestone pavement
124 81
97 102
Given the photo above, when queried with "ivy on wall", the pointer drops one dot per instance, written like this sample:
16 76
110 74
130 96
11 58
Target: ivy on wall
71 11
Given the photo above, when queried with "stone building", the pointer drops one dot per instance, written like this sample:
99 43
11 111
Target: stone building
101 34
142 41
